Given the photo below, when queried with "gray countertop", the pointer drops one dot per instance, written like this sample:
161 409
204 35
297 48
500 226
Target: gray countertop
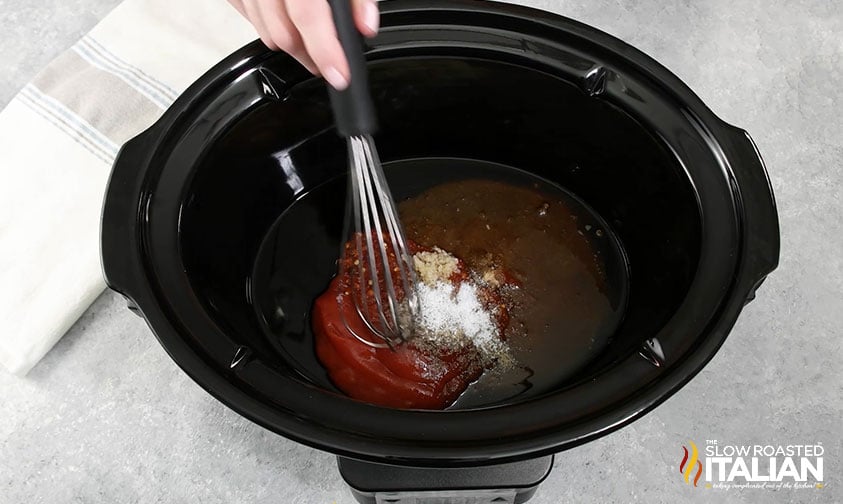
108 417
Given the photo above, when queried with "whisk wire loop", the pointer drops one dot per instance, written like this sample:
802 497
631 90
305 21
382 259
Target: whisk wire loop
371 216
399 242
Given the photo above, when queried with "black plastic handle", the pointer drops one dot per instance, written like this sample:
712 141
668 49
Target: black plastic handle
119 242
760 218
354 112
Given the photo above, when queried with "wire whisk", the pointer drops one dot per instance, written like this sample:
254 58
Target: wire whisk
374 255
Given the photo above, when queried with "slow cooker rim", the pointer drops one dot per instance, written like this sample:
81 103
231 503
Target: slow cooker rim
206 375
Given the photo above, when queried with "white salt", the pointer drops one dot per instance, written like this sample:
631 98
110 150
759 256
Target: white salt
449 316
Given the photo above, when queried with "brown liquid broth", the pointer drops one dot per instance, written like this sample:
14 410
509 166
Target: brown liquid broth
561 315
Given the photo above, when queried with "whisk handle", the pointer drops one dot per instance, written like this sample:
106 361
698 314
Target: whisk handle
354 112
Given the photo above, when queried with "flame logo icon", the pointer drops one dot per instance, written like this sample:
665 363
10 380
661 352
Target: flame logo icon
686 467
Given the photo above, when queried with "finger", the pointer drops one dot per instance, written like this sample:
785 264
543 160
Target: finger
283 33
305 60
367 16
238 4
254 16
313 20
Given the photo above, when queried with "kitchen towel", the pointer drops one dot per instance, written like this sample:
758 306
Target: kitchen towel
58 139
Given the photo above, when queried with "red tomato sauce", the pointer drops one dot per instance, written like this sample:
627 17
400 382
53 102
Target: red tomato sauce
408 376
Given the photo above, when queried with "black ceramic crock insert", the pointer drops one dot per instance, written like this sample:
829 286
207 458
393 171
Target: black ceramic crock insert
190 200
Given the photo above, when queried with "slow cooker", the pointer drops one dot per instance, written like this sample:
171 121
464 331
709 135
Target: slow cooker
191 199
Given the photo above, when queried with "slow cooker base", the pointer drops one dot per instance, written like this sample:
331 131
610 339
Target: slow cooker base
513 483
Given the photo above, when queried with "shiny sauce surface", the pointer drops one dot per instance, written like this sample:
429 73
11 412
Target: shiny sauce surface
566 307
568 265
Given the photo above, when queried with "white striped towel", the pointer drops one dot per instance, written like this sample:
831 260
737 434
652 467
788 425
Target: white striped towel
58 139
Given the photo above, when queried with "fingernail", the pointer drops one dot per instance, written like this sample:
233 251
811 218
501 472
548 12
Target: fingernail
371 16
335 79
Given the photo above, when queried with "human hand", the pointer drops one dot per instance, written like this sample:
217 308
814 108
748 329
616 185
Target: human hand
305 30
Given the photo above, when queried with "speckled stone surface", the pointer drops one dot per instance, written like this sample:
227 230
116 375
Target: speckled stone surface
33 33
108 417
